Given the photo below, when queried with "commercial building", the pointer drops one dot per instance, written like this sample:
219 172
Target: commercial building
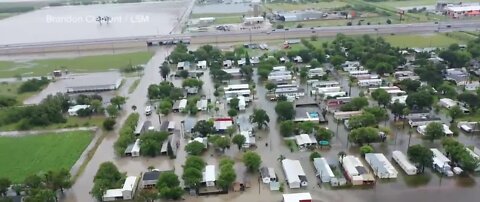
323 169
404 163
125 193
381 167
93 82
294 174
458 11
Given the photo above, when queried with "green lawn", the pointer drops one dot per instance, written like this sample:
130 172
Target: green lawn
340 22
96 63
419 41
23 156
408 3
228 20
301 6
72 122
10 89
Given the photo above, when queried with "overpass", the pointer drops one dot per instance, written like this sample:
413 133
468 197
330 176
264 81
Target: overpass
238 36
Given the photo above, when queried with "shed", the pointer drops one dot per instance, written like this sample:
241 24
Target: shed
202 64
294 174
209 176
323 169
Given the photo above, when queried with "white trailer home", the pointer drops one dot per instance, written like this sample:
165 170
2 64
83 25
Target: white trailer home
355 171
316 72
381 167
447 103
209 176
386 88
345 115
268 175
133 150
414 122
446 130
441 163
324 84
369 82
294 174
236 87
202 64
329 89
355 73
331 95
182 105
404 163
242 104
323 169
125 193
475 153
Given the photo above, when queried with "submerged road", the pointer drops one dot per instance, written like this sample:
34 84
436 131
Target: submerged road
239 36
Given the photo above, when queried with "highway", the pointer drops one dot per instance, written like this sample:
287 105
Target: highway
242 36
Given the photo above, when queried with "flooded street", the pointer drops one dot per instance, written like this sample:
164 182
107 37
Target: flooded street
80 22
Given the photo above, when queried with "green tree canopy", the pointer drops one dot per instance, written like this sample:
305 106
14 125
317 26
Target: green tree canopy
420 155
252 160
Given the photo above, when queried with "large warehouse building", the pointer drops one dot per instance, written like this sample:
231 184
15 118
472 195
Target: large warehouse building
93 82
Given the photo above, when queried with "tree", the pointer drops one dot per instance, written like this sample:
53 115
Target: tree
314 155
380 114
227 174
397 109
420 155
270 86
96 106
252 160
260 117
192 83
447 90
239 140
7 101
204 127
420 100
285 110
58 180
109 123
192 173
32 181
169 186
434 131
455 112
365 135
164 70
44 195
107 176
222 142
165 107
381 96
363 120
410 85
365 149
337 60
472 100
147 195
355 104
287 128
323 134
4 185
118 101
112 110
232 113
152 143
234 103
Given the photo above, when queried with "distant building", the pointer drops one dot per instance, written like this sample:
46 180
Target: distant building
93 82
253 20
458 11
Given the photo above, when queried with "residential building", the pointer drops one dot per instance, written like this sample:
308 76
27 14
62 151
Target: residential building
125 193
414 122
423 128
185 65
202 64
222 124
323 169
305 140
150 178
209 176
356 171
316 72
441 163
294 174
133 150
268 175
381 167
404 163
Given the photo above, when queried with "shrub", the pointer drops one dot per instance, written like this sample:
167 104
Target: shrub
109 123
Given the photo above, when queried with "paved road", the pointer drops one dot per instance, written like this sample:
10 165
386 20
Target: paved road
214 37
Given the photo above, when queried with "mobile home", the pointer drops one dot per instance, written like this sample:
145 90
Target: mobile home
242 104
325 84
381 167
345 115
268 175
404 163
358 72
334 94
209 176
370 82
447 103
414 122
441 163
329 89
182 105
323 169
446 130
356 171
294 174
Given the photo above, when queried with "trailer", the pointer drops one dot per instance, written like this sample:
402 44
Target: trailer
381 167
329 89
441 163
404 163
369 82
345 115
414 122
334 94
358 72
182 105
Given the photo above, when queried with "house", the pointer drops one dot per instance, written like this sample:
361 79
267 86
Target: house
150 178
133 150
295 176
404 163
125 193
202 105
323 169
441 163
304 140
316 72
202 64
298 59
222 124
72 111
268 175
381 167
183 65
209 176
356 171
297 197
227 63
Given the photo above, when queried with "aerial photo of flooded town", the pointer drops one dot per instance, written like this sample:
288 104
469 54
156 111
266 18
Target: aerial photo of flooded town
240 100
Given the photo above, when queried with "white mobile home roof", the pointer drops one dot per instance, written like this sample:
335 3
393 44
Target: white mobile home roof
447 102
349 164
111 194
183 104
293 169
439 156
404 163
236 87
323 169
297 197
325 84
472 153
209 174
380 165
136 146
303 139
129 183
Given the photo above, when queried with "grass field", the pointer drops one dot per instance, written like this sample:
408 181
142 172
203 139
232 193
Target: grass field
10 89
96 63
420 41
228 20
24 156
133 86
300 6
409 3
72 122
340 22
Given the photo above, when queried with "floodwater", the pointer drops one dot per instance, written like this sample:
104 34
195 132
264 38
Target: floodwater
79 22
222 8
